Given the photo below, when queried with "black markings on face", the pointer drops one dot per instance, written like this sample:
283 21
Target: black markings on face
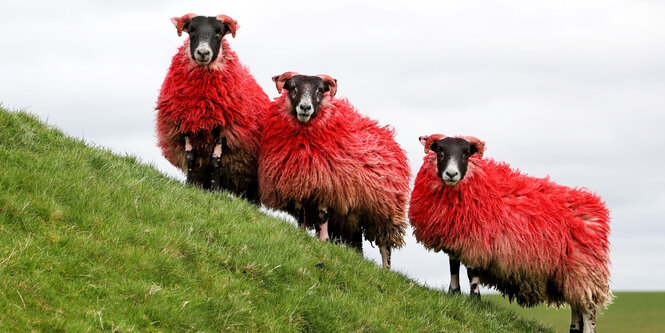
305 93
452 158
205 38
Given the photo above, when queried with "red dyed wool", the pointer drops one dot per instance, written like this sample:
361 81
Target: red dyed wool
195 99
341 159
534 240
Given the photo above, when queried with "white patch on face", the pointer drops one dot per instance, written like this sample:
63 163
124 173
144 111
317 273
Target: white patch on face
305 108
203 53
451 175
217 64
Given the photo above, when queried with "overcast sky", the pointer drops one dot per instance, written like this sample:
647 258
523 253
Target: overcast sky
573 89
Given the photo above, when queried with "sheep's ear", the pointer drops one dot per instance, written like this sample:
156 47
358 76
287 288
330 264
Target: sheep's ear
476 144
434 146
280 80
429 140
423 139
331 83
230 23
181 22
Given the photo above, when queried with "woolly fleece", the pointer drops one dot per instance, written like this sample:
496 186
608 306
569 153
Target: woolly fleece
534 240
194 99
341 159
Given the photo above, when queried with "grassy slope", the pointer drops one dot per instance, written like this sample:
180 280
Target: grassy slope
90 240
630 312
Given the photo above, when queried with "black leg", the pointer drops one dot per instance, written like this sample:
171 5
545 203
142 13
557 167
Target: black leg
474 281
357 241
454 287
189 159
576 321
300 215
216 161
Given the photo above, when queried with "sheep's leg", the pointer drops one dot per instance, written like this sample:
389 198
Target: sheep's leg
474 281
582 321
454 287
216 161
576 321
323 226
385 256
300 214
357 241
189 159
589 321
353 233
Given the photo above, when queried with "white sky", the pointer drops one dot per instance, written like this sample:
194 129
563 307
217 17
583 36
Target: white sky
573 89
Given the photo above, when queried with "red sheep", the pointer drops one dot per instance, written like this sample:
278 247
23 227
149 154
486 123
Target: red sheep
322 161
210 109
530 238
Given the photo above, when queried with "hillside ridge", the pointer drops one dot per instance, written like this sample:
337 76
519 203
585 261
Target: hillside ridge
90 240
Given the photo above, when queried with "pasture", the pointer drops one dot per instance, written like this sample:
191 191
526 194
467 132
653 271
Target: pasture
630 312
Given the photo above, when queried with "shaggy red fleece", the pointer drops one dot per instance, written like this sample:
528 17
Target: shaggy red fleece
341 159
194 99
534 240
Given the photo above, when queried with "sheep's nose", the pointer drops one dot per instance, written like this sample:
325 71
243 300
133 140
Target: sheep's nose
305 107
451 174
203 53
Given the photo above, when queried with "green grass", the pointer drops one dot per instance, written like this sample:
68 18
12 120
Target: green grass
94 241
630 312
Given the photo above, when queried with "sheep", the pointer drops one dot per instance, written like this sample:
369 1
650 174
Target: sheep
335 170
210 109
530 238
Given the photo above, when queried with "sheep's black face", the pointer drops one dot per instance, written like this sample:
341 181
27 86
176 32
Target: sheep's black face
452 158
205 38
305 93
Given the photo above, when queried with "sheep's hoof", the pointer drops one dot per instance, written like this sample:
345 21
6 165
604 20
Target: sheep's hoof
454 291
475 296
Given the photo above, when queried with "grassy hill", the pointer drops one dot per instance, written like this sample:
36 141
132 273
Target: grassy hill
94 241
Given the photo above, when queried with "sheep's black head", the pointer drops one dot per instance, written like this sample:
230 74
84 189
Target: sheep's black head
452 155
205 35
305 92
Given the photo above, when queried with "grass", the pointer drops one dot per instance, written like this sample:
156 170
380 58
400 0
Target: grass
94 241
630 312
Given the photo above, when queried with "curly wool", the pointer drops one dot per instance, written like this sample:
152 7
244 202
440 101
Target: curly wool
341 159
195 99
534 240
